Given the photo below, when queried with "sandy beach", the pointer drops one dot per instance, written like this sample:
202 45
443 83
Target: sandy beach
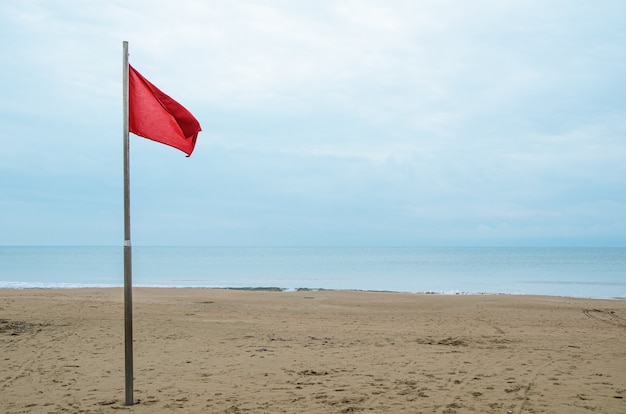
226 351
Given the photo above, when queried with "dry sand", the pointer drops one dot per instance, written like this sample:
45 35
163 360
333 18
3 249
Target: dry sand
224 351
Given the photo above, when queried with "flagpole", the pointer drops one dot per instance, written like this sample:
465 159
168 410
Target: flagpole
128 258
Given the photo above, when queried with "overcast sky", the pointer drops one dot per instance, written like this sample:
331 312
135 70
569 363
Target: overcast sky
379 123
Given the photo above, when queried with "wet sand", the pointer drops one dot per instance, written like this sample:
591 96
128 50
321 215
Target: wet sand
226 351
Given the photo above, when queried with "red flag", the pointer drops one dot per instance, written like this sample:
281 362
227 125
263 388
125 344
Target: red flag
156 116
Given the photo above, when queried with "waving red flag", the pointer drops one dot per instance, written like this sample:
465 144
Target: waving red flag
154 115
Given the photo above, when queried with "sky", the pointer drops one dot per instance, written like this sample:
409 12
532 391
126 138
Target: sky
326 123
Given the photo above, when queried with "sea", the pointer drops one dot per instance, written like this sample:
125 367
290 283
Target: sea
595 272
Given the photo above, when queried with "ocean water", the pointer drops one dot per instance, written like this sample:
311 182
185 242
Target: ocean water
576 272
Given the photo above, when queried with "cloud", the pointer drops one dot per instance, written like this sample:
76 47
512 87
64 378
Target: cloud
351 121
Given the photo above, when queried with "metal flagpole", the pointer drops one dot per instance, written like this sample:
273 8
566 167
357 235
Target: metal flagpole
128 258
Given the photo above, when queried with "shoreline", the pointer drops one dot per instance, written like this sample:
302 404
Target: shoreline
302 289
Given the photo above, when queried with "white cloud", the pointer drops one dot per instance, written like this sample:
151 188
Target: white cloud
411 106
